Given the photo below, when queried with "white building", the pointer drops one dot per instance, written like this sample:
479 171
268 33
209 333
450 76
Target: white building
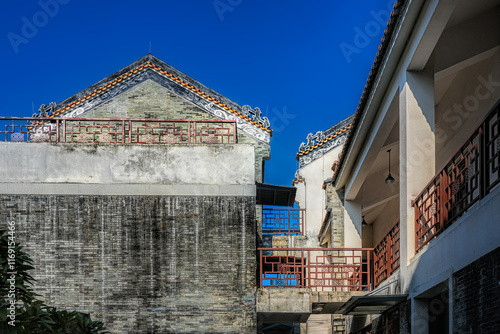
432 100
415 189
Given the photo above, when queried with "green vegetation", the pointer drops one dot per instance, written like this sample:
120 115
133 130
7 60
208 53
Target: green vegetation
28 314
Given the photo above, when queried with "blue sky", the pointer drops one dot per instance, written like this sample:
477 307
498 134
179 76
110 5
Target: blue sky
303 63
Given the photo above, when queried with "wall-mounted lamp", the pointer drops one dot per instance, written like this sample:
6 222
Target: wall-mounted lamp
389 178
363 222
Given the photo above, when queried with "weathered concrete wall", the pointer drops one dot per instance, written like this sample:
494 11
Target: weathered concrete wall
221 164
312 197
143 264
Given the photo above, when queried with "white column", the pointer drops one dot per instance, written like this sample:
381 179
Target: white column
352 224
417 154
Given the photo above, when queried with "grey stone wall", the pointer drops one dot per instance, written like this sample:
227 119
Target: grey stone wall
335 203
143 264
476 296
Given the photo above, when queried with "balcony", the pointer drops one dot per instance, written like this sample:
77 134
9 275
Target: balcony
117 131
283 221
386 255
469 176
320 269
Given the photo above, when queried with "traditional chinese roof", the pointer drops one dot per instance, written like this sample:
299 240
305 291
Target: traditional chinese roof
393 22
322 137
150 67
322 142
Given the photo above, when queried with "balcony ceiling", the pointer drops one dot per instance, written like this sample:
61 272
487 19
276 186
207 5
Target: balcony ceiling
269 194
467 9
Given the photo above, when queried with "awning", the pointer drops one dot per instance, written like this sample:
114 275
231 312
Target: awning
362 305
270 194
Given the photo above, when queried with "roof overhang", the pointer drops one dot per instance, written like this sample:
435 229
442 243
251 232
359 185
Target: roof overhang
269 194
379 81
377 304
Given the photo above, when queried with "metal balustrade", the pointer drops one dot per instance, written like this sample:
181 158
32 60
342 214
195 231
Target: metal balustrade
469 176
117 131
321 269
283 221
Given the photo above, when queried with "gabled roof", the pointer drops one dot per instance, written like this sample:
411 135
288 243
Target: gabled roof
321 143
393 22
150 67
323 137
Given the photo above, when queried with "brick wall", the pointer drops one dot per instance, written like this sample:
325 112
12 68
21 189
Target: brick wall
405 317
476 296
143 264
335 201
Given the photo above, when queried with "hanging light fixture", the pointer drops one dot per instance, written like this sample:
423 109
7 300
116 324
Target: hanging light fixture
363 222
389 178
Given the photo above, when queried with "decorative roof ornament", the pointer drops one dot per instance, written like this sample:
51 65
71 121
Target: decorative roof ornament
46 111
312 140
323 141
302 147
256 113
320 136
298 178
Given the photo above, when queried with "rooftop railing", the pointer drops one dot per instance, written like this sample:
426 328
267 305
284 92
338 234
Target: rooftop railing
117 131
386 255
283 221
469 176
321 269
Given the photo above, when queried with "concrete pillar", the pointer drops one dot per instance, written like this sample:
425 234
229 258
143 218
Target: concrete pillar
352 224
417 153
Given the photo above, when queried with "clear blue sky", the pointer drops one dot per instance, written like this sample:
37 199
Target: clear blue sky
303 63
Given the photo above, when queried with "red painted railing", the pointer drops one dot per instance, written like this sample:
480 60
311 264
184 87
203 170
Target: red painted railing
117 131
321 269
283 221
469 176
386 255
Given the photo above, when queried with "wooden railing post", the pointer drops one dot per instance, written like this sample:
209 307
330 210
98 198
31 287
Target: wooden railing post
368 269
261 268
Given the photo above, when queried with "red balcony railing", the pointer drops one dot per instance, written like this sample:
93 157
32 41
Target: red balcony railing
321 269
117 131
386 255
469 176
283 221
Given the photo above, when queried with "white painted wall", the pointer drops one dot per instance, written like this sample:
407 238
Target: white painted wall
311 196
193 169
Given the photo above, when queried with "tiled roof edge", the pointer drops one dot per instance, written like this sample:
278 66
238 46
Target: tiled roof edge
394 21
318 144
150 62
